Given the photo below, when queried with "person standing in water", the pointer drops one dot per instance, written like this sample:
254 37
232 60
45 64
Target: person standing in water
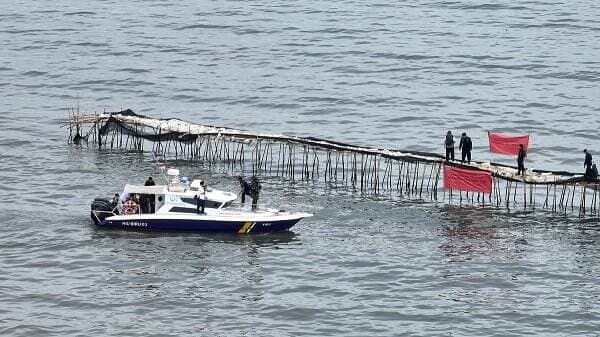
521 160
449 143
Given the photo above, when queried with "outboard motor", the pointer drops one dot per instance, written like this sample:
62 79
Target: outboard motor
102 208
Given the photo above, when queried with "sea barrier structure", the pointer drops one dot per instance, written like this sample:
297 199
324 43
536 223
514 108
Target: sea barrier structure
409 174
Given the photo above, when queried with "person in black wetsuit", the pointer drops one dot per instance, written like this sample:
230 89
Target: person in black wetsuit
521 160
465 146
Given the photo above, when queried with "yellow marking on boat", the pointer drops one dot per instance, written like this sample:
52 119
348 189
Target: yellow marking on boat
245 227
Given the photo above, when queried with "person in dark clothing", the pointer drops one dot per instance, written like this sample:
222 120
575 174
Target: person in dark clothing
251 189
149 182
521 160
449 143
465 146
246 189
588 160
149 203
591 173
255 185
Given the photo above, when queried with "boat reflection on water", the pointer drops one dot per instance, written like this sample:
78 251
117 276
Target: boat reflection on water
207 266
198 239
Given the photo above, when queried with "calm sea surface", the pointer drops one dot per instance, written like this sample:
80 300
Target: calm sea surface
379 73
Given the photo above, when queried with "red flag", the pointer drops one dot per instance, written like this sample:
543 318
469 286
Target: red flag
505 144
467 179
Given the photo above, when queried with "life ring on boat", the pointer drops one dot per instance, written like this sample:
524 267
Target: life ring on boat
130 207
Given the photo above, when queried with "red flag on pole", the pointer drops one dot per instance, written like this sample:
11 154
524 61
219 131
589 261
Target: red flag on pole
505 144
467 179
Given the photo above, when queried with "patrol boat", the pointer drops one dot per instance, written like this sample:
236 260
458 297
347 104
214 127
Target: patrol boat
178 206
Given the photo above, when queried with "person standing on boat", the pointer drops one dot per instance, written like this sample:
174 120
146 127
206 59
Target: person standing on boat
465 146
449 143
521 160
200 198
116 199
255 186
150 202
246 188
251 189
116 202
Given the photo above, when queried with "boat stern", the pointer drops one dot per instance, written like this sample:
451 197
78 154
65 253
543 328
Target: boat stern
100 209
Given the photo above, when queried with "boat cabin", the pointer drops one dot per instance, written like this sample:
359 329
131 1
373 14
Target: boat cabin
176 197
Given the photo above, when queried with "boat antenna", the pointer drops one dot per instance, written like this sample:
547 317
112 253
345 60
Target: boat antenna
162 166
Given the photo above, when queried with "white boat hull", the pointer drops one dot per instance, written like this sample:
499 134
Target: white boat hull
220 222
